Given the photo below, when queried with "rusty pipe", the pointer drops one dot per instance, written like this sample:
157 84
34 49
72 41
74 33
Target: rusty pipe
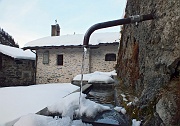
131 19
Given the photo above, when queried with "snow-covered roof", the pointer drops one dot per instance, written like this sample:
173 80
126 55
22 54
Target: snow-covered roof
17 53
74 40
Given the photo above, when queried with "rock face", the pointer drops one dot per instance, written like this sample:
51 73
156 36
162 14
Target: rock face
169 105
149 53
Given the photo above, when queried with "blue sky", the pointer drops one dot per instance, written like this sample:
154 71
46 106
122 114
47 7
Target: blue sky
27 20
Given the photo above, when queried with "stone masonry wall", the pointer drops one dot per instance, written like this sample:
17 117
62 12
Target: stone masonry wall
16 72
149 54
52 73
98 62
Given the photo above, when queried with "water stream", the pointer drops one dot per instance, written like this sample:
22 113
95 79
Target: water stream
82 71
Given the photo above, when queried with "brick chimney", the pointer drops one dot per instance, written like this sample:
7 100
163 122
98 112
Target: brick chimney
55 29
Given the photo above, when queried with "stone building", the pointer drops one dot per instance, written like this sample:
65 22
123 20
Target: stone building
17 67
59 58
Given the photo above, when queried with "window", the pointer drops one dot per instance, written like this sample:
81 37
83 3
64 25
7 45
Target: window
110 57
46 57
59 59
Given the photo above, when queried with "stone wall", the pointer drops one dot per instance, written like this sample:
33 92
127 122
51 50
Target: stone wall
15 72
72 62
149 54
52 73
98 62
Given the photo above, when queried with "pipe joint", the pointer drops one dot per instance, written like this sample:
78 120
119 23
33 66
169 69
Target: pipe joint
135 18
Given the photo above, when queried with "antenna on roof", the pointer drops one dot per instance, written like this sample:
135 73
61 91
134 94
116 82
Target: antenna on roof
56 21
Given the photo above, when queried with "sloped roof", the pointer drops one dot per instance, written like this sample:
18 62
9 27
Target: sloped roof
17 53
74 40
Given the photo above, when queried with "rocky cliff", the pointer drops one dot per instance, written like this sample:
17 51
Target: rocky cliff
149 59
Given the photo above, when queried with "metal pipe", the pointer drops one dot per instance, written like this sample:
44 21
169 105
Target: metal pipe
131 19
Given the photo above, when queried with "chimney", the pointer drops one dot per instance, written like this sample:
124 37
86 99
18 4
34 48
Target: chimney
55 29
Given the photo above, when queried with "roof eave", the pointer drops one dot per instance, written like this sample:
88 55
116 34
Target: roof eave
67 46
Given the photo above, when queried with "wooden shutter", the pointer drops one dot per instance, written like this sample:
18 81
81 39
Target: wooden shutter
46 57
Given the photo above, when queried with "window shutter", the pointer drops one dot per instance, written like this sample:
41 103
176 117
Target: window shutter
46 57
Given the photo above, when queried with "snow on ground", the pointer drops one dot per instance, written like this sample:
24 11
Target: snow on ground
21 100
97 77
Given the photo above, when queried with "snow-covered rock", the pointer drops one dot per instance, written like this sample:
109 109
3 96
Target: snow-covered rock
69 106
135 122
97 77
39 120
120 109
